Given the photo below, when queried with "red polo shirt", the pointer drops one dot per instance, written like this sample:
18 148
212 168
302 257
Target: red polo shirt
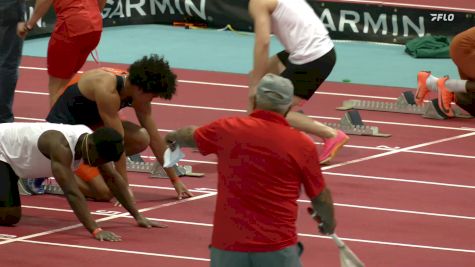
262 163
77 17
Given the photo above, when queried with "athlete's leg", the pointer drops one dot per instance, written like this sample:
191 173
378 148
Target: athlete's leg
10 206
136 138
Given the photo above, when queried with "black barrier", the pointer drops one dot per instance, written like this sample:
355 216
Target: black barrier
348 21
387 24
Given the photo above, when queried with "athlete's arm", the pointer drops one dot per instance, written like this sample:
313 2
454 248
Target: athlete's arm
260 12
158 145
102 4
41 7
119 189
108 105
54 145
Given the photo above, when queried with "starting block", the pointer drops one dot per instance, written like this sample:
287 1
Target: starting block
47 187
352 124
157 171
53 189
404 104
181 170
134 166
22 189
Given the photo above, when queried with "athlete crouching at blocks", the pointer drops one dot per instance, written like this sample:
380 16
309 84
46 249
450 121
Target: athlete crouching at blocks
46 149
262 165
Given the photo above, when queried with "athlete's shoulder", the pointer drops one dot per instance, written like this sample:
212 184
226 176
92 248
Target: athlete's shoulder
115 71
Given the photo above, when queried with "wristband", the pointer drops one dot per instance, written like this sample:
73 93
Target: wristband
175 180
96 231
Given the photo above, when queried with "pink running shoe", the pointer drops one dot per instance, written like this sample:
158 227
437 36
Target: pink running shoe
332 146
422 89
445 97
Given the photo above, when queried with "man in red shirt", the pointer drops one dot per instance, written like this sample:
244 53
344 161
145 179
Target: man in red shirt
76 33
262 163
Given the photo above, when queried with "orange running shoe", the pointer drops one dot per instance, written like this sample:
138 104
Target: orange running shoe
422 89
445 97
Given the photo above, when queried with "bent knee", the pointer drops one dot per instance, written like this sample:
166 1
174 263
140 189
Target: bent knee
137 141
10 215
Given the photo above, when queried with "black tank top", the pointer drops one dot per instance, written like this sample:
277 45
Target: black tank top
73 108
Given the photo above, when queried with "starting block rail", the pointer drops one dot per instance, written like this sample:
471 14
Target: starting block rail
404 104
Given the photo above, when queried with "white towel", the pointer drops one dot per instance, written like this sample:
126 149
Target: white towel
171 158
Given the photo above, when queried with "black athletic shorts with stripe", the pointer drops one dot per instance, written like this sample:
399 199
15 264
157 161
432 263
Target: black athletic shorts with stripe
307 77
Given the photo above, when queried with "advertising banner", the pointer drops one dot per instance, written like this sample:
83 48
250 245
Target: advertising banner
347 21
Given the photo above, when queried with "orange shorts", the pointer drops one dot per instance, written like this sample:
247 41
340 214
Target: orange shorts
462 52
86 172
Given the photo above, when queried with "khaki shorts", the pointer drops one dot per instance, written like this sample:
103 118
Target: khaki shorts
286 257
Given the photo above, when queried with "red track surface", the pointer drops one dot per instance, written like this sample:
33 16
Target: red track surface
406 208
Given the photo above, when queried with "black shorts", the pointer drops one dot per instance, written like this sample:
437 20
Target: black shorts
307 77
9 195
466 101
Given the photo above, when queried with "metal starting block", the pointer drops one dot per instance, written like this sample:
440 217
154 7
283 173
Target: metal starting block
22 188
404 104
433 111
134 166
156 170
47 187
181 170
53 189
352 124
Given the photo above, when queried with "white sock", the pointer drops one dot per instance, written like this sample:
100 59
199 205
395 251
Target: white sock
456 86
432 82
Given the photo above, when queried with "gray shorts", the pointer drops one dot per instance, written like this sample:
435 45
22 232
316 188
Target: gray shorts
286 257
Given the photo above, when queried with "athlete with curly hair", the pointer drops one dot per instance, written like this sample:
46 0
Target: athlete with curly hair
95 97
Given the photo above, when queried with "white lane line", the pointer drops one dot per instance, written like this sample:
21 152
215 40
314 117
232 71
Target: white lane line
420 125
397 151
31 92
320 236
356 176
166 188
349 146
198 107
114 250
300 200
350 239
452 216
441 154
311 116
358 147
28 119
225 85
392 243
399 180
108 218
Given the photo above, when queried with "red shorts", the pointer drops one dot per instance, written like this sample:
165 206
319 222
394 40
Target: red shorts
66 55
